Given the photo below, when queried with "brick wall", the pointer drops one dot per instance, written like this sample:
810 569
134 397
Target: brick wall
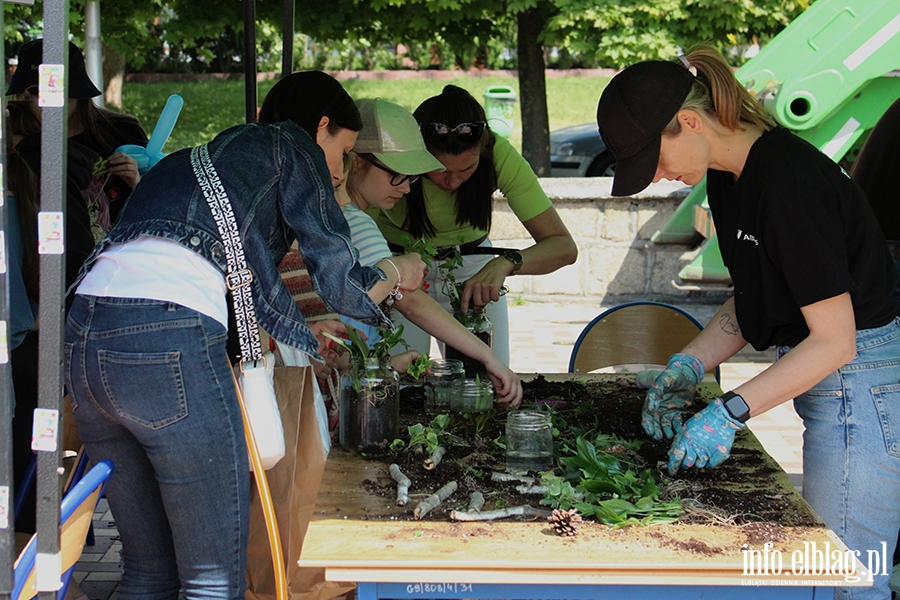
616 260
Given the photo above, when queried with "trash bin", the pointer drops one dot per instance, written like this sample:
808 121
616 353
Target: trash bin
499 102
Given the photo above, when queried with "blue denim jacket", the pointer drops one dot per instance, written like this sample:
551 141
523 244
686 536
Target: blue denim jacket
278 184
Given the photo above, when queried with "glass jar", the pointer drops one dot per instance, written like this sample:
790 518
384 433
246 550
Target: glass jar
443 375
472 396
529 441
476 321
370 404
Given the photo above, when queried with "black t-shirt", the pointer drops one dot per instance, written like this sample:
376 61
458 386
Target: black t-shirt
795 230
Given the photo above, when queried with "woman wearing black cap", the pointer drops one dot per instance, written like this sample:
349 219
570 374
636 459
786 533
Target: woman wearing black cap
812 276
95 128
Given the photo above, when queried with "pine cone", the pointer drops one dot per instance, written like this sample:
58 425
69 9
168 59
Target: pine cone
565 522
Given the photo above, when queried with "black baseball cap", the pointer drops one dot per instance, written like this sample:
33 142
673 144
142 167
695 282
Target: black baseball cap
633 111
31 54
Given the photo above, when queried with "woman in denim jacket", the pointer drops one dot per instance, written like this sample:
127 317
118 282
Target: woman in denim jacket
147 369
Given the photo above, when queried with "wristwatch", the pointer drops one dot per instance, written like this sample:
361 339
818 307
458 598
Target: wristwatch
515 258
736 407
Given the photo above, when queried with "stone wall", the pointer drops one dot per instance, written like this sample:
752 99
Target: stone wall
617 262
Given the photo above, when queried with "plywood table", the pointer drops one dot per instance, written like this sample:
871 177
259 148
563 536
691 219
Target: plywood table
354 537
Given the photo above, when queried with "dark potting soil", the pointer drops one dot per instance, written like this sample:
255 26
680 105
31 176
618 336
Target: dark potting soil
741 491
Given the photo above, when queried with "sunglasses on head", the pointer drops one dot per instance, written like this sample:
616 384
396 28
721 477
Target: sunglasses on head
465 132
397 179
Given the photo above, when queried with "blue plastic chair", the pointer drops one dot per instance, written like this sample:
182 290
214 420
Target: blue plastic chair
76 515
636 333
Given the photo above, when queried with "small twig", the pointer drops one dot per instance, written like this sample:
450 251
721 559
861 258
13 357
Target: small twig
476 502
501 513
500 476
433 501
402 484
532 489
435 459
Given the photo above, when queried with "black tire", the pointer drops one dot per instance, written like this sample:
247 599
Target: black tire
603 166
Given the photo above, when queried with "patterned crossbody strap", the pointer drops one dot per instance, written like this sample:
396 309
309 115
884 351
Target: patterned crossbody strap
239 274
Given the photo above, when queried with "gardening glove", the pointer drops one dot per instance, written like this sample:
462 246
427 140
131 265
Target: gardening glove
705 440
670 395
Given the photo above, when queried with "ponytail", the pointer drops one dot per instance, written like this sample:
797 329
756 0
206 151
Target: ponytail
718 93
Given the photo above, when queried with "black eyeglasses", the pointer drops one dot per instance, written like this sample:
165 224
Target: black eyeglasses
397 179
465 132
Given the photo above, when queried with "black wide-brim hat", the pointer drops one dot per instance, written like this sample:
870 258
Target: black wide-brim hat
31 54
633 111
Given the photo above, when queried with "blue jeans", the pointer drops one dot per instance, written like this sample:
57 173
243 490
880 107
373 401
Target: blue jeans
151 391
851 452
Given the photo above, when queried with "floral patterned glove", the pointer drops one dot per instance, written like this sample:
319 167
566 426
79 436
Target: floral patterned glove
705 440
670 395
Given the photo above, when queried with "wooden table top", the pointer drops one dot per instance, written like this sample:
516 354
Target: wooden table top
360 536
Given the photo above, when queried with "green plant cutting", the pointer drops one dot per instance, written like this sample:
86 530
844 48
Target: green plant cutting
418 367
596 484
358 348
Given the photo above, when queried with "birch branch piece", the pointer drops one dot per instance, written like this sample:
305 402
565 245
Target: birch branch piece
476 502
402 484
501 477
532 489
433 501
435 459
501 513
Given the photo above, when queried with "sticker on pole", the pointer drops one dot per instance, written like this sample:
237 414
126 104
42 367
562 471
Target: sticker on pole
4 507
44 430
2 252
52 86
4 344
50 232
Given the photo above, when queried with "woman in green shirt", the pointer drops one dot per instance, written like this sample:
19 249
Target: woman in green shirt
453 208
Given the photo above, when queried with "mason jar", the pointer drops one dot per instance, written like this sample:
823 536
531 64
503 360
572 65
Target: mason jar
370 404
476 321
472 395
443 375
529 441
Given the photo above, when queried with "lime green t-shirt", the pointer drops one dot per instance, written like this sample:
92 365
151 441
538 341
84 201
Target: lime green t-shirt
516 181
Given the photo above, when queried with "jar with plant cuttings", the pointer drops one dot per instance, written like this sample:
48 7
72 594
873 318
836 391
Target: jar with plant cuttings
529 441
472 396
476 321
440 384
370 404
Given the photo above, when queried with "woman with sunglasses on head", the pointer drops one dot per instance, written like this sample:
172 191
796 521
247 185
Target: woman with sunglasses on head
453 207
812 276
389 156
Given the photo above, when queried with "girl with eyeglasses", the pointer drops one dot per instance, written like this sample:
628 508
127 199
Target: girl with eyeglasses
454 207
389 156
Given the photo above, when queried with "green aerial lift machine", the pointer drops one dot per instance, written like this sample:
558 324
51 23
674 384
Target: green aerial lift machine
828 77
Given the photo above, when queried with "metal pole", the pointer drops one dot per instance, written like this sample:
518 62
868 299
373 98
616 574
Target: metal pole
93 50
7 487
51 236
287 39
250 60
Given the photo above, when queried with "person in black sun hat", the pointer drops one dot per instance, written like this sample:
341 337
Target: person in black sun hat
98 129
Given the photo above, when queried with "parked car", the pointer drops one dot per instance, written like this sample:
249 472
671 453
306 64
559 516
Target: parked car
578 151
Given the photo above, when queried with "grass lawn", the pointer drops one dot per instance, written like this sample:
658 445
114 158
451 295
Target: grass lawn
211 106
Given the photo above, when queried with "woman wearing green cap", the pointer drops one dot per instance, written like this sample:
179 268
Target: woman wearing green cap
812 276
388 157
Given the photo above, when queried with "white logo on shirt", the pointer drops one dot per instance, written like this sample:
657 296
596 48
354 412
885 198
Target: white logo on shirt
747 237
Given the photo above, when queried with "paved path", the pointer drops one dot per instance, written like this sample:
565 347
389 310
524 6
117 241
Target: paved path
541 340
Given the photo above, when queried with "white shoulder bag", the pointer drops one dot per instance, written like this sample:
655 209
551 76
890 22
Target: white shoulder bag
256 371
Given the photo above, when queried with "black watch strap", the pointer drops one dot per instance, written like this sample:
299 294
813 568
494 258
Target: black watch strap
736 407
